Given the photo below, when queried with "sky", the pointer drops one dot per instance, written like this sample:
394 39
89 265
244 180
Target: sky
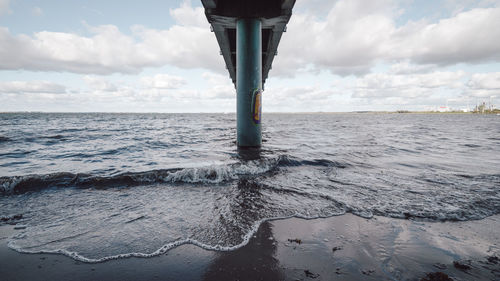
160 56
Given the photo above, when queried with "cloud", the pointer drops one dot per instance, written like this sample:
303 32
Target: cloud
350 38
99 84
348 41
163 81
107 50
220 86
38 87
164 87
355 35
159 88
411 86
186 15
303 99
484 85
215 78
468 37
4 7
181 46
395 62
490 81
226 91
405 67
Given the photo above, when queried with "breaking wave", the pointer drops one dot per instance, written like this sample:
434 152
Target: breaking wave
213 174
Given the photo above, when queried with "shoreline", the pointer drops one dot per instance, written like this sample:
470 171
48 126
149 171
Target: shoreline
494 112
345 247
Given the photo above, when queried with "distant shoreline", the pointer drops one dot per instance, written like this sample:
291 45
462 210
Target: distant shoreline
495 111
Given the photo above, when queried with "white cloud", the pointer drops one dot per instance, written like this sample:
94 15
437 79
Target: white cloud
304 99
108 50
220 86
383 85
352 37
181 46
489 81
37 87
348 41
396 63
405 67
468 37
168 88
163 81
356 34
4 7
220 92
190 16
484 85
99 84
215 78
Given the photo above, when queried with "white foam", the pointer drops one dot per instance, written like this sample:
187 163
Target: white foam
165 248
9 185
221 173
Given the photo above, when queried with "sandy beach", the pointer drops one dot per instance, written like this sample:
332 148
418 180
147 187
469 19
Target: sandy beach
345 247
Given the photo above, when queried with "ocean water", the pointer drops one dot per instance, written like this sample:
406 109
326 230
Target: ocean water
103 186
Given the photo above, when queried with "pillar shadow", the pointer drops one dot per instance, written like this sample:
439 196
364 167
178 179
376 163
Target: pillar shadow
256 260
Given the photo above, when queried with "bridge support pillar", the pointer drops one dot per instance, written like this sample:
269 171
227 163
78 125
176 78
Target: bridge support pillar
249 82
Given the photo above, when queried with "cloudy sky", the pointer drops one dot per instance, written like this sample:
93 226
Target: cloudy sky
160 56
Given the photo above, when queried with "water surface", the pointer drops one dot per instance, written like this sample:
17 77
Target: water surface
99 186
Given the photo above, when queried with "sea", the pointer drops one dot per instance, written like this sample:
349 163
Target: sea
101 186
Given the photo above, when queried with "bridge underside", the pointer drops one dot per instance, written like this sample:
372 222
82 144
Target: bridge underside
248 33
224 14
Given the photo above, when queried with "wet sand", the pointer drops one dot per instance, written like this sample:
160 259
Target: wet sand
346 247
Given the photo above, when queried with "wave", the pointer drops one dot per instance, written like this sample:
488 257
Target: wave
213 174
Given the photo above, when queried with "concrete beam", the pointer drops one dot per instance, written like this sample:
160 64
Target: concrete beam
223 15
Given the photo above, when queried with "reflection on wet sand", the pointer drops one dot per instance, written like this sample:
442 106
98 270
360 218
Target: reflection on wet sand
338 248
256 261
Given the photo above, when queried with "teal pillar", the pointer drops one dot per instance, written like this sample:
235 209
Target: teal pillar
248 82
